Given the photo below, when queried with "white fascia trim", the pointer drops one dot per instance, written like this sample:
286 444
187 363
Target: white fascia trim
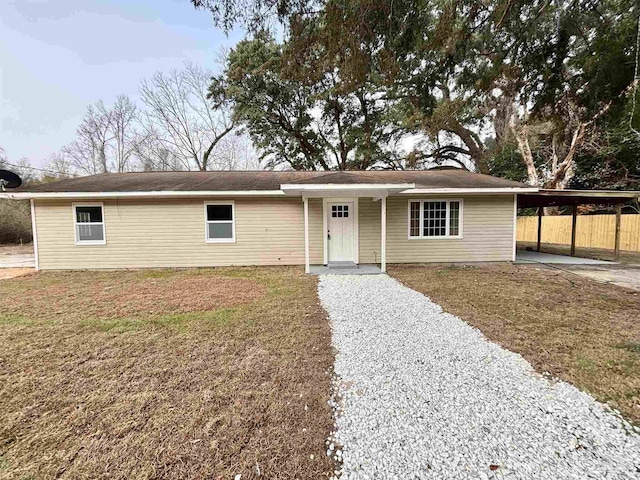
340 187
448 191
151 194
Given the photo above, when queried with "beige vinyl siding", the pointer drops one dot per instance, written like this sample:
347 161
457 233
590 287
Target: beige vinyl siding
171 233
369 227
487 233
316 245
269 231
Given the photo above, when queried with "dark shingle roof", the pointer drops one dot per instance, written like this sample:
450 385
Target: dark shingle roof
265 180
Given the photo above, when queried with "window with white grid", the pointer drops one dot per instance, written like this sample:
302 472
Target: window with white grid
435 218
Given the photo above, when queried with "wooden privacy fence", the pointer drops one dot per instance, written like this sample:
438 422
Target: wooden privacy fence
592 231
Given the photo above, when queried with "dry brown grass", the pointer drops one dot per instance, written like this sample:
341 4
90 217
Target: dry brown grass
584 332
164 374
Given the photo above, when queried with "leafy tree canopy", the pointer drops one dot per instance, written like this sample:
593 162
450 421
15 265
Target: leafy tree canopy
533 89
303 123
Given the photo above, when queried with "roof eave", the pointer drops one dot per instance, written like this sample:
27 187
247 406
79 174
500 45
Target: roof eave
149 194
344 189
474 191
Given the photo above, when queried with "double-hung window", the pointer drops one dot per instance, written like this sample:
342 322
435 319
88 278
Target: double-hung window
220 222
435 218
89 223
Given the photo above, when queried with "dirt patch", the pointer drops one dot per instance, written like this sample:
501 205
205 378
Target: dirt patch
6 273
577 329
25 249
179 374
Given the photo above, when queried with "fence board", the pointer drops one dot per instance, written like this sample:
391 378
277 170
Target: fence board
592 231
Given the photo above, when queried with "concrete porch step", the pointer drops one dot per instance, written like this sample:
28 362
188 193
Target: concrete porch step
352 269
339 265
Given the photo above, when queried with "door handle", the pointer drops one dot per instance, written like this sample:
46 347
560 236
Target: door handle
328 235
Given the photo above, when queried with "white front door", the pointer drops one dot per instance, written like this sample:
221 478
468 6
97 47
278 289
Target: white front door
341 232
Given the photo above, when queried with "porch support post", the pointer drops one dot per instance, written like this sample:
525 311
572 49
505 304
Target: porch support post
34 232
618 221
540 210
383 234
305 202
574 219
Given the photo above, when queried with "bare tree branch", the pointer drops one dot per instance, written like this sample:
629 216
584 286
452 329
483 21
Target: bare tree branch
178 109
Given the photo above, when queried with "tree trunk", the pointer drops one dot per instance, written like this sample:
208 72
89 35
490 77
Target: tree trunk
103 159
476 149
522 139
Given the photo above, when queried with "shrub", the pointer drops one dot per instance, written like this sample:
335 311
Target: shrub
15 221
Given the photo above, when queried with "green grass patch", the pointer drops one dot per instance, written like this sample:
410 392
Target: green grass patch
9 319
179 322
585 363
633 347
182 321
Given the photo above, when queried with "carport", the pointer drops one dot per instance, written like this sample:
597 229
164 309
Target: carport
574 198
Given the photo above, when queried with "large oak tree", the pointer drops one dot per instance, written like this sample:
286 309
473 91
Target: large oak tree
516 87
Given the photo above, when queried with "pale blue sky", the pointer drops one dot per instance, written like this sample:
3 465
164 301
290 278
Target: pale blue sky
56 57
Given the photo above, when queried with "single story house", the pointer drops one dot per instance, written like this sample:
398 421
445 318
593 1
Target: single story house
202 219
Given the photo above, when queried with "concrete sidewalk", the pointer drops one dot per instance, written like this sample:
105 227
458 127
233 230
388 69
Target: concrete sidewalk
17 261
526 256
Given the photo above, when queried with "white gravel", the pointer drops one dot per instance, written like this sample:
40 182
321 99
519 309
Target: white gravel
421 394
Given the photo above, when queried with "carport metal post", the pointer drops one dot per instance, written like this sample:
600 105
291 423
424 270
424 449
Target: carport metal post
574 219
618 221
540 210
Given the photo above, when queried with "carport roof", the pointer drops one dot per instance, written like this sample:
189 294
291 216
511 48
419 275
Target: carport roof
558 198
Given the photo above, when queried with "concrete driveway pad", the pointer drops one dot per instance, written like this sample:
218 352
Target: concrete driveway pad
627 276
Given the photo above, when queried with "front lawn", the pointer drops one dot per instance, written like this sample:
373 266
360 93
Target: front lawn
584 332
205 373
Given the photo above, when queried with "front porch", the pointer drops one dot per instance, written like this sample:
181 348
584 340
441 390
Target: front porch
340 225
341 237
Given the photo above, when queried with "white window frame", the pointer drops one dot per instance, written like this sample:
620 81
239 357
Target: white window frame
233 222
435 237
74 207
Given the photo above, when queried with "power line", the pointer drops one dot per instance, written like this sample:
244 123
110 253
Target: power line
35 168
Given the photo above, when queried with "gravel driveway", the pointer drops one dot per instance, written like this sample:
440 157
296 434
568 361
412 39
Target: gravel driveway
421 394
